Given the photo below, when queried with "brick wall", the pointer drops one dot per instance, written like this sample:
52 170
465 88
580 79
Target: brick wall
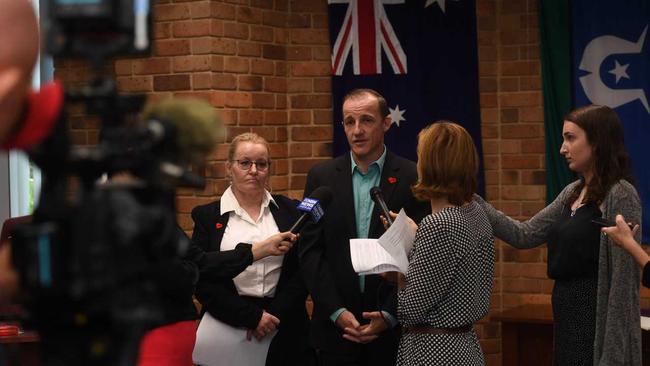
265 65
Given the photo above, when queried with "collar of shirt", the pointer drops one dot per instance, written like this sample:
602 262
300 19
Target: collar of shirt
379 162
229 202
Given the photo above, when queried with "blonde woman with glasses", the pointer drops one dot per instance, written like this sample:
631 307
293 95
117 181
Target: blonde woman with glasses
267 295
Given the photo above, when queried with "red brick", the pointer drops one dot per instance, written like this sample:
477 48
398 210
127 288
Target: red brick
224 46
200 9
200 46
311 69
192 63
275 117
201 81
249 49
249 15
262 67
151 66
263 100
308 6
275 84
235 30
249 83
172 47
238 99
162 30
274 52
303 165
236 65
299 85
520 162
192 28
311 101
519 131
171 12
261 33
322 117
134 83
251 117
224 81
222 11
319 133
310 36
275 18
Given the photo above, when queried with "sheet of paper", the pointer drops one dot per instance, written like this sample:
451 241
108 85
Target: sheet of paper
219 344
398 239
645 323
369 257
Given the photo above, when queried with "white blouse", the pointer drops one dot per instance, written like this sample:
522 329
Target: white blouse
260 278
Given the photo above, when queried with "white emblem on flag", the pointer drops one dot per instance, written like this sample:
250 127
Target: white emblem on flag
595 53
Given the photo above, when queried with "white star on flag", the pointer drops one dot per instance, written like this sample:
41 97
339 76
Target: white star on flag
396 115
620 71
441 4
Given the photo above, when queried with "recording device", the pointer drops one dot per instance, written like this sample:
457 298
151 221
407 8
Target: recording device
87 261
378 196
603 222
313 207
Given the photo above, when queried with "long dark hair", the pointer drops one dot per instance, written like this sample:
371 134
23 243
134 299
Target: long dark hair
610 161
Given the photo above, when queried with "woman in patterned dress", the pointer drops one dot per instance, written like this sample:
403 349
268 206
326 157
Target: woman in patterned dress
596 293
449 278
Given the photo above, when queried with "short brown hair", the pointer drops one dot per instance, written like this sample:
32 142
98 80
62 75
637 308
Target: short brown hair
247 137
447 163
381 101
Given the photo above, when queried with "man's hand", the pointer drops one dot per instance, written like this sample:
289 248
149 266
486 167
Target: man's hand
267 324
369 332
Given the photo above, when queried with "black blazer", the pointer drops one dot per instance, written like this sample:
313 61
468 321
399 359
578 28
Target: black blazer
325 249
216 290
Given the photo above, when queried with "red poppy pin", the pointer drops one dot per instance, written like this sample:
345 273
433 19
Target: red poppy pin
392 180
218 225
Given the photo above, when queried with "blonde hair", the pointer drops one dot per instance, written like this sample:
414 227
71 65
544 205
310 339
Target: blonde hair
447 163
247 137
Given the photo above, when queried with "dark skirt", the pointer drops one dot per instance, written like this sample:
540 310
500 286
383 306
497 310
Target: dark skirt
574 328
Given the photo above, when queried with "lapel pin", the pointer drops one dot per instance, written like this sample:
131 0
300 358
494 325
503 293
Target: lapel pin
392 180
218 225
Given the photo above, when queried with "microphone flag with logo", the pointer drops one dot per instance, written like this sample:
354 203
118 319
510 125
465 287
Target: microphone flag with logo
421 55
597 52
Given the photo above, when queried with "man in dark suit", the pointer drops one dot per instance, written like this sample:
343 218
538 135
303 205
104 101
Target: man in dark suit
354 317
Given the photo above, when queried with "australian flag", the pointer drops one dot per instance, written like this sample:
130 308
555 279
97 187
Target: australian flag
612 67
421 55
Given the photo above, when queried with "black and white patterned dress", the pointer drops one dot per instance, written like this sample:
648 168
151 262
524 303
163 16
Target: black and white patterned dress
449 282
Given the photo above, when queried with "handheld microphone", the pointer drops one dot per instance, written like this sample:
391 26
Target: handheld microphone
313 207
377 196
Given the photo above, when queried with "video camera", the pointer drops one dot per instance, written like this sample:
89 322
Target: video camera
86 262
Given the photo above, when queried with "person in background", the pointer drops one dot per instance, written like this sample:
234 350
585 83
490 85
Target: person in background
354 318
269 293
449 280
596 293
623 236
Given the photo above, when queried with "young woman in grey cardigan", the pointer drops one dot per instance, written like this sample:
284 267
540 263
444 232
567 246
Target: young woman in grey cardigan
596 293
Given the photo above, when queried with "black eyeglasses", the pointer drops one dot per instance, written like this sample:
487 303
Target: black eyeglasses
260 165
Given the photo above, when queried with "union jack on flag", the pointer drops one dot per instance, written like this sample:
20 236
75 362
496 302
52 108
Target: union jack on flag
421 55
367 31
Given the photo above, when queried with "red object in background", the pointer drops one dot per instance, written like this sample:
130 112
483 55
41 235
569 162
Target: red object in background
44 108
169 345
8 330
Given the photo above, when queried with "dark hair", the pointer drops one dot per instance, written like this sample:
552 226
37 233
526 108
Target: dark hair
357 93
447 163
610 161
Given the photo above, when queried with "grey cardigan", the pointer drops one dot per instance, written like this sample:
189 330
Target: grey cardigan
618 331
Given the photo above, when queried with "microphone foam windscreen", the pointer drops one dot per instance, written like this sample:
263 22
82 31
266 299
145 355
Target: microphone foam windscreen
198 126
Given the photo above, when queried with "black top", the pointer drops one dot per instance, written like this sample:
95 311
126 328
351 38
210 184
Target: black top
645 280
574 244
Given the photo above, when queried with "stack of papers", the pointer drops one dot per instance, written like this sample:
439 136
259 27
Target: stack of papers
388 253
219 344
